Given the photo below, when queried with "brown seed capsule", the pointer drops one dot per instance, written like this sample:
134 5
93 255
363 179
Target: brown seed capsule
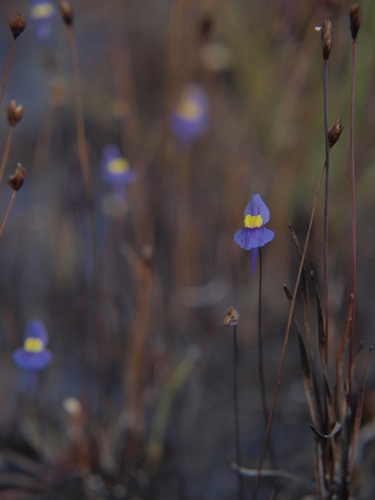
232 317
14 113
17 24
16 180
334 132
66 12
326 38
355 20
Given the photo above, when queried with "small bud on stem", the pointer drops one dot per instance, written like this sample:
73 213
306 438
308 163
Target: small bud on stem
232 317
334 133
16 180
326 39
355 20
14 113
66 12
17 24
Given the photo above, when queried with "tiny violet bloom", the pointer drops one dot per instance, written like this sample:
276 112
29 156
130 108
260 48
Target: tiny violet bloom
34 355
42 13
114 168
254 235
190 117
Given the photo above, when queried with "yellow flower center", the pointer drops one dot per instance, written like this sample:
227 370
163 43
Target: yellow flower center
252 221
189 109
33 345
42 10
118 166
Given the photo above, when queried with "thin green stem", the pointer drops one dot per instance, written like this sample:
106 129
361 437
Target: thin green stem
7 69
6 153
241 495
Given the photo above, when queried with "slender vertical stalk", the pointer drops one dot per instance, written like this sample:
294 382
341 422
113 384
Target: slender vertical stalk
352 202
6 153
81 138
326 200
7 69
236 416
8 212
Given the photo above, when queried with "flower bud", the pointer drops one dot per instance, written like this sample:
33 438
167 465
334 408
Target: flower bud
16 180
17 24
334 133
232 317
355 20
326 39
14 113
66 12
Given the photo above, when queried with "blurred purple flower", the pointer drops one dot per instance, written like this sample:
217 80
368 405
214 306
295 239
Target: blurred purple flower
254 235
190 117
42 13
114 168
34 355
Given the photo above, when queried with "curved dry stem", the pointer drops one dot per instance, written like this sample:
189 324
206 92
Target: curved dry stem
8 212
7 69
6 154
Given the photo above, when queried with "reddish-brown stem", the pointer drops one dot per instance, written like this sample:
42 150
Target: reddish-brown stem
8 212
81 139
7 69
6 153
352 201
272 410
326 199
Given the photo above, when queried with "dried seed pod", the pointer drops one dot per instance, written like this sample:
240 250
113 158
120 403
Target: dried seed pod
326 39
17 24
66 12
232 317
334 132
355 20
16 180
14 113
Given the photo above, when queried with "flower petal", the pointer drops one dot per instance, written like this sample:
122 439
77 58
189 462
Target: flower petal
36 329
253 238
31 360
258 207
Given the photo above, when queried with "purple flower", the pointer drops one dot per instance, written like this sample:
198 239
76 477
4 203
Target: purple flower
114 168
34 355
190 117
254 235
42 13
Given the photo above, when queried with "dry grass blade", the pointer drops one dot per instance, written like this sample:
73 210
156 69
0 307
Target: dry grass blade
358 414
309 379
336 429
305 298
340 358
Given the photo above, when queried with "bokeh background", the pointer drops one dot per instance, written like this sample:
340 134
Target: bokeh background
135 311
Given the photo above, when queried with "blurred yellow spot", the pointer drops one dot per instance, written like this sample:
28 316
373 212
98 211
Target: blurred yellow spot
118 166
42 10
252 221
33 345
189 109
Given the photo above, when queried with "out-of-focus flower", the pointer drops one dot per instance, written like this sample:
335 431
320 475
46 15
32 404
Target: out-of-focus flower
42 13
255 235
34 355
190 117
114 168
